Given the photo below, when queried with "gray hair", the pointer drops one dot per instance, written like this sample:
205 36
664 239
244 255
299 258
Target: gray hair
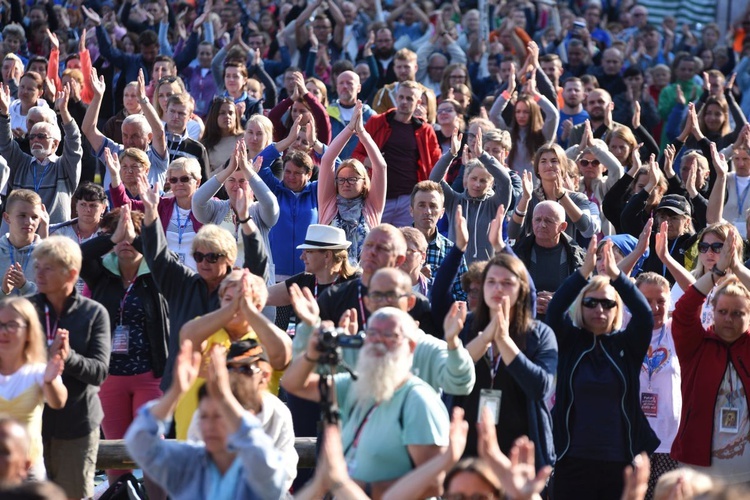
408 326
140 120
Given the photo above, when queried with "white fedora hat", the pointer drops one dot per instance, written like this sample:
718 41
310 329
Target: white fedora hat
320 237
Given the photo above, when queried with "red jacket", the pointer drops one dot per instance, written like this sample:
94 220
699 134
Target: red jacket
703 359
379 127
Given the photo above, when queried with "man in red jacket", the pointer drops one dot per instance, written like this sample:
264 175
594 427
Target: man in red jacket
410 148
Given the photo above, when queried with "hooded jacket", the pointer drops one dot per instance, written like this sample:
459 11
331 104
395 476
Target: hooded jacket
478 212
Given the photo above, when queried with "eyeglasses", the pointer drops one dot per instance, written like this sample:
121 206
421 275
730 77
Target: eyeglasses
42 137
458 77
383 335
183 180
11 326
475 496
386 296
131 168
244 369
714 247
211 258
348 180
592 302
446 110
586 163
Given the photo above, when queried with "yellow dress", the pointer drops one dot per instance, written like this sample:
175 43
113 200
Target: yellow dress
189 401
27 405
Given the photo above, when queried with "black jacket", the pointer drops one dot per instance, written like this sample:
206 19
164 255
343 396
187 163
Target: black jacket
105 283
575 253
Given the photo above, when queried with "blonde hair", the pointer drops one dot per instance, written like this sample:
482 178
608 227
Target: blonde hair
721 230
137 155
61 250
698 482
25 195
34 350
732 287
217 240
189 165
260 295
596 284
360 170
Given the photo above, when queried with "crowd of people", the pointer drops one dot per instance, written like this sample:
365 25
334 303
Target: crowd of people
478 249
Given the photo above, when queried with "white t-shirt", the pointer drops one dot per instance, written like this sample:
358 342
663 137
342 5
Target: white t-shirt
17 120
661 399
707 310
730 449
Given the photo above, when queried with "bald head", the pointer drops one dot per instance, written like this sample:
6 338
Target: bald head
14 447
348 87
390 287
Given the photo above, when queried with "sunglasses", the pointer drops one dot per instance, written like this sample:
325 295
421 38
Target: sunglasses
42 137
586 163
244 369
591 303
184 179
714 247
211 258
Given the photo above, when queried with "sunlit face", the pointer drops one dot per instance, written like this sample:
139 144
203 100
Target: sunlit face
731 317
446 114
616 253
522 114
714 117
314 90
741 162
255 137
298 109
478 181
658 299
500 282
573 94
621 149
211 272
205 56
181 190
133 136
14 463
549 166
167 90
407 100
295 178
415 258
710 258
236 181
314 260
404 69
687 165
385 291
254 88
597 104
23 218
161 69
51 277
377 252
589 167
347 87
234 80
546 224
41 141
90 212
349 183
130 100
131 170
28 92
426 209
302 143
11 70
552 69
496 150
227 119
178 117
599 320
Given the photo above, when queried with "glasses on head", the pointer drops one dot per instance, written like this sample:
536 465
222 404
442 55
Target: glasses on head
714 247
12 326
249 370
586 163
167 79
347 180
211 257
183 180
42 137
592 302
386 296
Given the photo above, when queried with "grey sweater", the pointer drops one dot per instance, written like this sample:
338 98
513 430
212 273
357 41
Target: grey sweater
55 182
478 212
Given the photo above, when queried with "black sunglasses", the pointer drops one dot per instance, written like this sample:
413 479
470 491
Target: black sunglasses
244 369
211 257
586 163
591 303
714 247
184 179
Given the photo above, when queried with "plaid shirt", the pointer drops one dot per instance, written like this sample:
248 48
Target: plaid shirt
437 249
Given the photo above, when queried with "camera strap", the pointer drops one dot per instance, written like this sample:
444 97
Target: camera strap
359 429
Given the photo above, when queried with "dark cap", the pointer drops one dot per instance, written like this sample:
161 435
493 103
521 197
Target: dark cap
246 352
676 203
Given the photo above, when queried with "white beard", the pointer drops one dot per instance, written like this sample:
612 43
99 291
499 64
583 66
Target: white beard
380 376
40 153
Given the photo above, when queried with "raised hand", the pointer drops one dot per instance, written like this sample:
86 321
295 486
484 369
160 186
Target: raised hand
610 265
636 122
496 229
462 229
141 87
728 255
719 161
186 367
527 185
149 195
61 99
304 304
92 16
661 242
645 237
4 99
502 331
454 322
587 137
636 478
54 43
589 261
112 162
476 150
61 345
97 83
459 430
55 367
669 153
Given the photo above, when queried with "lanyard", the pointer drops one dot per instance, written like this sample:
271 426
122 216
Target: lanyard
173 149
51 332
125 297
180 227
361 302
741 199
494 367
649 368
38 183
664 266
26 260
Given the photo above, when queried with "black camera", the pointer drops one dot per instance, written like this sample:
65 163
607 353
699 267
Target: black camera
332 339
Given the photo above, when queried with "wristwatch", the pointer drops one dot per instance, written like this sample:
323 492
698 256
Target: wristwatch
718 272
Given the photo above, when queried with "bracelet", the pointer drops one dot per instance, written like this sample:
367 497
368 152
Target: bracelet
562 195
519 213
143 100
242 221
718 272
311 360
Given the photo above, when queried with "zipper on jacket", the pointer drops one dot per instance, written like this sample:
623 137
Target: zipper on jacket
622 402
572 398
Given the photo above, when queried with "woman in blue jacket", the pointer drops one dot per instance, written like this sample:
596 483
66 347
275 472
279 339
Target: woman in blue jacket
515 356
599 425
